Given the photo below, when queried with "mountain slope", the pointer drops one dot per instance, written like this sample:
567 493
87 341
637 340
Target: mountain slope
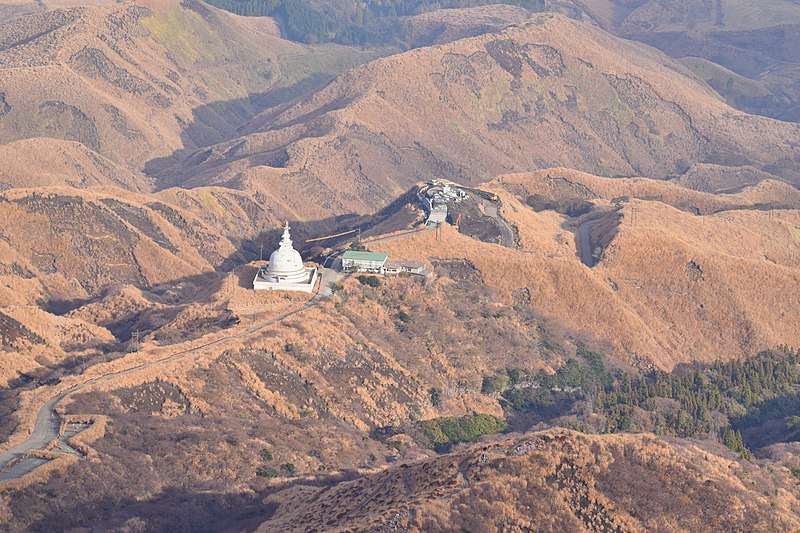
753 40
118 242
551 481
42 162
551 92
666 287
136 82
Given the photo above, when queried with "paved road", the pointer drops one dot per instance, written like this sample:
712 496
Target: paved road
506 231
585 243
44 431
331 274
19 469
585 249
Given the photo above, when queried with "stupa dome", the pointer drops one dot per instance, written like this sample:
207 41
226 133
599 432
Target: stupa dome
285 263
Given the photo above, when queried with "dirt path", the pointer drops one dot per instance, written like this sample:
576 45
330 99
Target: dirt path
399 235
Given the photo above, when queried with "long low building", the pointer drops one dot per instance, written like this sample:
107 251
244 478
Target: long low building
407 267
373 262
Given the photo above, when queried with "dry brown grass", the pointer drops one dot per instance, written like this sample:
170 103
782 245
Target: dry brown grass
587 101
566 183
657 314
552 480
131 78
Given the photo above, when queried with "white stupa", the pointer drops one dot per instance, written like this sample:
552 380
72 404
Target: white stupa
285 271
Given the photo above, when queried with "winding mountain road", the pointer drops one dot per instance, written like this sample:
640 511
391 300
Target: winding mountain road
48 423
44 431
507 237
585 243
585 250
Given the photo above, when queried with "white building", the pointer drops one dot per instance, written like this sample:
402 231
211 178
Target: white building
285 271
437 215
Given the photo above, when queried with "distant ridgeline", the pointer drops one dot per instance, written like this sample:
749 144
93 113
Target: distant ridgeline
350 21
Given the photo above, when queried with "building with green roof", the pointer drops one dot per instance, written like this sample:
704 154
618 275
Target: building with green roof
354 261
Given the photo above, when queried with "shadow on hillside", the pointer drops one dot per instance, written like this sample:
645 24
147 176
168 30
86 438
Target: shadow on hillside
538 418
62 307
173 509
766 424
225 120
177 509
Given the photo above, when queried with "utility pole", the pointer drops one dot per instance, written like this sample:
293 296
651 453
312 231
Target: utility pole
261 253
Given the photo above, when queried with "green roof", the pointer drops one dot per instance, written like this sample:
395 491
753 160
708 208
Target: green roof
365 256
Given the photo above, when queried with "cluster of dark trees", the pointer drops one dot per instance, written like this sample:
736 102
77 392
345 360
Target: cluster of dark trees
741 394
732 438
371 281
349 21
731 389
578 378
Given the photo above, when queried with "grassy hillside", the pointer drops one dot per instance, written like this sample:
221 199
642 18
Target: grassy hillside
755 40
135 83
500 337
521 99
552 481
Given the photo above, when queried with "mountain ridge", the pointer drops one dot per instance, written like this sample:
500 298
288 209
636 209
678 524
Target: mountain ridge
525 110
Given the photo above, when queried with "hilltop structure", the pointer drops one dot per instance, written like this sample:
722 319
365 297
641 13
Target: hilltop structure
435 196
378 263
364 261
285 271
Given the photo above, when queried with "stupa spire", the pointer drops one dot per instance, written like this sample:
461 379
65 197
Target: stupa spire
286 238
286 270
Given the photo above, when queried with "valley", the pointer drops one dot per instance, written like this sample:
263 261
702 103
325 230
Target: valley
608 310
